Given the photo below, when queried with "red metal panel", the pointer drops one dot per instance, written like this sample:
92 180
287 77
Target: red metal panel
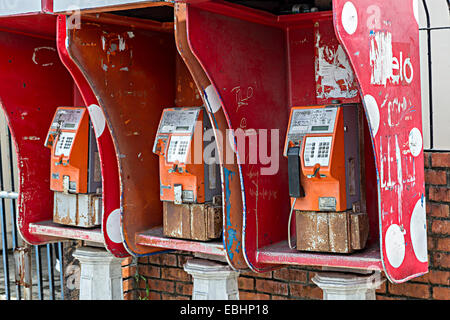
33 82
281 254
382 42
231 186
248 80
259 75
111 220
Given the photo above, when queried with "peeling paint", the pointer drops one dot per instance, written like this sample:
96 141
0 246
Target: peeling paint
334 75
33 138
35 52
381 57
122 45
232 238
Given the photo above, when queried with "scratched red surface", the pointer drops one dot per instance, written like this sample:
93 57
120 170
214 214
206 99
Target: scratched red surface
260 74
33 83
382 42
107 153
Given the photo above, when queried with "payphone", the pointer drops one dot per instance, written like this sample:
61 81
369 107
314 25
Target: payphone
75 175
324 150
190 186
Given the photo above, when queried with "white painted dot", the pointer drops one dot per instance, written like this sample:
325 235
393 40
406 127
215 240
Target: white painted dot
349 17
418 229
113 226
415 142
395 245
373 113
231 140
212 99
97 118
415 4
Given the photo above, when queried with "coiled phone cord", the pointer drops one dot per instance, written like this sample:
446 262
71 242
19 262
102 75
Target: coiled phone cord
289 225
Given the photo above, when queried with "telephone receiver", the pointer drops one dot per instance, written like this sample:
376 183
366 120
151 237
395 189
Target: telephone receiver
294 166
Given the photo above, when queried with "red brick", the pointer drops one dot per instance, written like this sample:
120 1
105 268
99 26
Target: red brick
426 159
173 297
128 284
162 285
441 293
128 271
438 210
265 275
381 297
184 288
441 227
440 160
431 243
443 244
437 177
127 261
243 295
289 274
382 288
441 259
245 283
305 291
167 259
440 277
409 289
130 295
182 259
156 259
435 277
152 295
270 286
175 274
439 194
142 260
150 271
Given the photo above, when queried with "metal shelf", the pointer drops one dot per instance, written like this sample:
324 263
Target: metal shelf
49 228
280 253
154 238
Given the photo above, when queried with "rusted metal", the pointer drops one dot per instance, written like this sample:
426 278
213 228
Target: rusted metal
22 259
59 232
81 210
192 221
338 232
279 253
155 237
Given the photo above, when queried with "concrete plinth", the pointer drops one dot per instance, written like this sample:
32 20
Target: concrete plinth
348 286
212 280
101 274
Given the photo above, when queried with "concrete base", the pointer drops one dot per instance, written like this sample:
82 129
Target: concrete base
101 274
348 286
212 280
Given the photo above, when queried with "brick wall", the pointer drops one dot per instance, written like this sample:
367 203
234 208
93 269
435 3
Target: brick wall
162 276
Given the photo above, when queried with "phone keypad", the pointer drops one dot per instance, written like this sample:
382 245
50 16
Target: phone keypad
324 149
317 151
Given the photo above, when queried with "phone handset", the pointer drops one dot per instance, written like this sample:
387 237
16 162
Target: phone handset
295 187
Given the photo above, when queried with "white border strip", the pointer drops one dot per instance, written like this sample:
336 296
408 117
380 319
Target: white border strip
15 7
70 5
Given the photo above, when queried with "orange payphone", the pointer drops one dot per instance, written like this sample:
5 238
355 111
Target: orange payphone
190 185
324 150
75 175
